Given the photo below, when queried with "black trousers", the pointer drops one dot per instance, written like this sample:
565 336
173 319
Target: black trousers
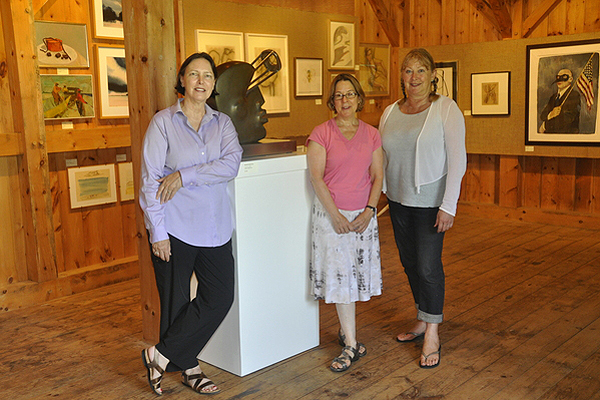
186 326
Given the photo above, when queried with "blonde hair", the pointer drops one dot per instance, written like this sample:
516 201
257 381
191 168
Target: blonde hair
424 57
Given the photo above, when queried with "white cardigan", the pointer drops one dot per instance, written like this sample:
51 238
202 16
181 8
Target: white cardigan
440 149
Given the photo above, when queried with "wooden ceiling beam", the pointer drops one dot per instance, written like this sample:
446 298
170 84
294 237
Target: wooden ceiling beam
485 8
387 21
502 14
534 19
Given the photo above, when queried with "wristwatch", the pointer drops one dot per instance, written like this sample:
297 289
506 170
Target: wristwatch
372 208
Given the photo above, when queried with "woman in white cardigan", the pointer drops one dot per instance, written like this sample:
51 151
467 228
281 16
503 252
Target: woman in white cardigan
424 143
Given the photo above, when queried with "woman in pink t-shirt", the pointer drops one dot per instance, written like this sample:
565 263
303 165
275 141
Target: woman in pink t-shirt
345 160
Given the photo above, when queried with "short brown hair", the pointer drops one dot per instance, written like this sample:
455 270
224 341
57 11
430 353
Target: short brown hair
355 84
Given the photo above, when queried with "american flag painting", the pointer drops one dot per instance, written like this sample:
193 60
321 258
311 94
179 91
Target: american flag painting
585 84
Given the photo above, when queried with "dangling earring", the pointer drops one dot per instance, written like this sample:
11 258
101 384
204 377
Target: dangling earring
434 83
403 89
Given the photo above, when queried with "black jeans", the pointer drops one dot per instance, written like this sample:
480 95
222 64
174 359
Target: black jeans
420 247
186 326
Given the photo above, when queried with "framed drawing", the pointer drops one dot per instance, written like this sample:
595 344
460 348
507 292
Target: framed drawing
446 74
108 19
341 45
126 186
60 45
67 96
490 93
276 89
91 186
112 82
222 46
309 77
374 68
562 92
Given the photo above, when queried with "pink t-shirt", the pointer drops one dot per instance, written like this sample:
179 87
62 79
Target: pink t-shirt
348 161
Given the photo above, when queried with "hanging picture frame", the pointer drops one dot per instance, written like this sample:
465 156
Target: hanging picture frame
374 68
341 45
276 89
61 45
446 74
108 19
92 185
112 81
222 46
309 77
562 93
490 93
67 97
126 181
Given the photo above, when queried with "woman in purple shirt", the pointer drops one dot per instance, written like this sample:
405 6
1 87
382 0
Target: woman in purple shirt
190 153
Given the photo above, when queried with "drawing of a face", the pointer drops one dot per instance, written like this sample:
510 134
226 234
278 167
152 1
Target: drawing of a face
243 106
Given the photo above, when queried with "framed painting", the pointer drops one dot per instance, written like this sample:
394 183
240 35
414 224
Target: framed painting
562 92
108 19
67 96
309 77
276 89
446 74
60 45
490 93
221 45
91 186
112 82
374 69
341 45
126 185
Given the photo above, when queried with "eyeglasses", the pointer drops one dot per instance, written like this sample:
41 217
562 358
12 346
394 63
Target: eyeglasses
562 78
349 96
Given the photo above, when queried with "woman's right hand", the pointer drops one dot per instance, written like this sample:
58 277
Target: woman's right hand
162 249
341 224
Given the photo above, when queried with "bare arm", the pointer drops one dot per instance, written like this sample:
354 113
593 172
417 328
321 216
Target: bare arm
317 157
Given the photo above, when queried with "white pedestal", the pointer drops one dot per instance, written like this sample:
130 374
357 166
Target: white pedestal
273 317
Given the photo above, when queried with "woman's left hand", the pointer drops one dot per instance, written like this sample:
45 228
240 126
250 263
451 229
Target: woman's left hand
169 185
444 221
361 222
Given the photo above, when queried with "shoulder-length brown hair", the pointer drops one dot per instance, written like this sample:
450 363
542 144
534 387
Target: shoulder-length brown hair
357 88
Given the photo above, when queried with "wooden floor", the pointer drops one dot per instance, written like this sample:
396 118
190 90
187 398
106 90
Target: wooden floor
522 321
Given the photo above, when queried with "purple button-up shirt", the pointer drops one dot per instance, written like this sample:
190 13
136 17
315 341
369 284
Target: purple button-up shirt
200 213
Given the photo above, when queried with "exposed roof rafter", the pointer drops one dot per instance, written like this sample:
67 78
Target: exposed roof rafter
387 21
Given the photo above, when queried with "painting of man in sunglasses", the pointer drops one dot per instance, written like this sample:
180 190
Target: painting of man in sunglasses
561 114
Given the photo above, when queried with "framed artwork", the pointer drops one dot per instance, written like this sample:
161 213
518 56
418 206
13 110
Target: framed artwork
60 45
309 77
112 82
446 74
67 96
108 19
341 45
126 186
562 93
91 186
222 46
374 68
276 89
490 93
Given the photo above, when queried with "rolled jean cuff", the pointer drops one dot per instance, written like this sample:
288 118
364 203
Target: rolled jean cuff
430 318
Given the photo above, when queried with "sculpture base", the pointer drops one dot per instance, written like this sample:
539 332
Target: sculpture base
267 147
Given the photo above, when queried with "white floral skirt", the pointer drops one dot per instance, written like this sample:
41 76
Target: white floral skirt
344 268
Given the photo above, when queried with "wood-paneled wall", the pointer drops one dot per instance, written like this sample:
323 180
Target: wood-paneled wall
72 250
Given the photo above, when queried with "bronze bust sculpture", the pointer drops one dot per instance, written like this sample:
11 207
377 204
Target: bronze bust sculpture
239 94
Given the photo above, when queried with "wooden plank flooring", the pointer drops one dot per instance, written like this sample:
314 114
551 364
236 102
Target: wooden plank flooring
522 321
